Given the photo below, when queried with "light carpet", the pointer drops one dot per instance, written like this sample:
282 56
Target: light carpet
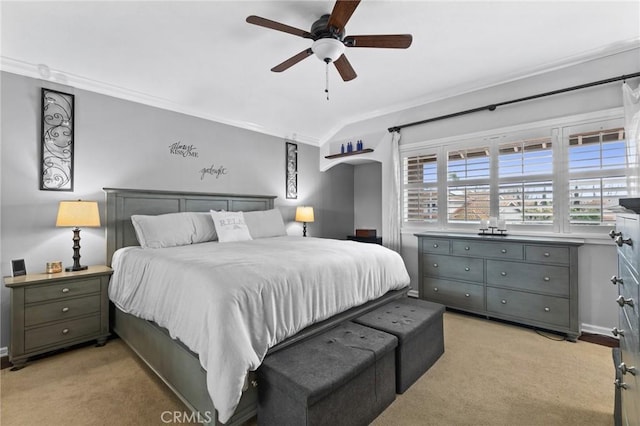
491 373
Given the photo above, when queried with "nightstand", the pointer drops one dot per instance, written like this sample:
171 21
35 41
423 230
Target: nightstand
373 240
53 311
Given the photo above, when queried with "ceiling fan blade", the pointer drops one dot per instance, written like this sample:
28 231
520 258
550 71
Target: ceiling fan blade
389 41
342 11
292 60
267 23
344 68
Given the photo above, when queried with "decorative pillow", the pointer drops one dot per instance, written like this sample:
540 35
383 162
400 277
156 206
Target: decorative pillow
230 226
173 229
265 223
165 230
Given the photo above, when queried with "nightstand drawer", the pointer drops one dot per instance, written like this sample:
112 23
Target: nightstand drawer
492 249
547 254
56 291
63 309
60 332
536 307
526 276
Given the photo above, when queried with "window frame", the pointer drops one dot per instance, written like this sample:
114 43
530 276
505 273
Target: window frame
558 131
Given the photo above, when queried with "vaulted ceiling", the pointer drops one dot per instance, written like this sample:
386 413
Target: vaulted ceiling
203 59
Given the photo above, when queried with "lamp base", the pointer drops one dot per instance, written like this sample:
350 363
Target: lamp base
76 268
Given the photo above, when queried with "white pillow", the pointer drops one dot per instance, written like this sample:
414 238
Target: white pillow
165 230
265 223
173 229
230 226
204 229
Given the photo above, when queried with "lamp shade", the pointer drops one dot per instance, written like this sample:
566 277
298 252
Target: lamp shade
304 214
78 213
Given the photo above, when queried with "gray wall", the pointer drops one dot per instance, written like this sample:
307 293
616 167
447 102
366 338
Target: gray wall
124 144
367 197
598 312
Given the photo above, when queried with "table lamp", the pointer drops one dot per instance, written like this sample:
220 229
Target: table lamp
76 214
304 214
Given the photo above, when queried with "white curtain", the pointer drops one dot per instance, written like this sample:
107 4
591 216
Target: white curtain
631 101
394 239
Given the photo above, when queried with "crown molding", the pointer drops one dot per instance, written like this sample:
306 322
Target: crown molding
43 72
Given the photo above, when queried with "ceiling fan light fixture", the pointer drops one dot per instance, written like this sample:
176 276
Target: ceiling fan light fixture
328 49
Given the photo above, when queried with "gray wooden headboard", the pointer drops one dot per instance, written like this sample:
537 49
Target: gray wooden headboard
122 203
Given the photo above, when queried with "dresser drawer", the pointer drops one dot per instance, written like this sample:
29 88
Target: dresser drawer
55 291
435 245
462 268
485 249
536 307
454 293
60 332
525 276
547 254
62 309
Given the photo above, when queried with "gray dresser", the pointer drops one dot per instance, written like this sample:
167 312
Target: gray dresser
627 238
527 280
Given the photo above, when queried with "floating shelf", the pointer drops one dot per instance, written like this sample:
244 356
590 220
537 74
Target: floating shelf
347 154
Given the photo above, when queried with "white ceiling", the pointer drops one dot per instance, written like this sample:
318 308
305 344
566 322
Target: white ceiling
203 59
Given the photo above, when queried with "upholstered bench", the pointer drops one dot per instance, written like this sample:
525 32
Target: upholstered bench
345 376
418 326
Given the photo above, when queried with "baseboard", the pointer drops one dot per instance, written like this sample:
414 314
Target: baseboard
413 293
4 358
4 351
596 329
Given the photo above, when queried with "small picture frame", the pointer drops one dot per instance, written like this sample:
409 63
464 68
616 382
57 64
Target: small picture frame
18 268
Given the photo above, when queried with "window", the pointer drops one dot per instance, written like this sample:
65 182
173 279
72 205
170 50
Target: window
597 175
420 188
468 184
559 177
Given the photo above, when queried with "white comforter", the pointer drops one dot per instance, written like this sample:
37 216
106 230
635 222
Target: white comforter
230 302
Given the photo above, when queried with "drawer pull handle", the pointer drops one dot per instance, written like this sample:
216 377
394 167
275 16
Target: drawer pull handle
504 302
547 279
467 295
622 301
614 234
615 280
435 246
435 265
466 268
435 289
624 369
65 331
547 309
620 241
503 251
254 383
620 384
547 254
616 332
65 290
504 274
467 248
65 309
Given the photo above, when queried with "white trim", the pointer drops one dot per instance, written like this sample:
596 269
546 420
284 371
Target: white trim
413 293
4 351
596 329
44 73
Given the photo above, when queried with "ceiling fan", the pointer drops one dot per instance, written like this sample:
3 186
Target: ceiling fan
329 40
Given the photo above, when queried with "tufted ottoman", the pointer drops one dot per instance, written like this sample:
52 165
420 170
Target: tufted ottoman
345 376
418 326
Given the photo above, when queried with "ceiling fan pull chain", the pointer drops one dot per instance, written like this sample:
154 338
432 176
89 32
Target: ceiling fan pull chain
326 89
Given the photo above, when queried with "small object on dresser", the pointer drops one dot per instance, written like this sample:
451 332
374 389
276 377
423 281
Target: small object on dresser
54 267
342 149
349 147
371 233
18 268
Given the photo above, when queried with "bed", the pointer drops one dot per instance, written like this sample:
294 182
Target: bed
171 359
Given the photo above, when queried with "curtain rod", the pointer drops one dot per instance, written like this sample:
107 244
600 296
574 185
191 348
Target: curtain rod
493 107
